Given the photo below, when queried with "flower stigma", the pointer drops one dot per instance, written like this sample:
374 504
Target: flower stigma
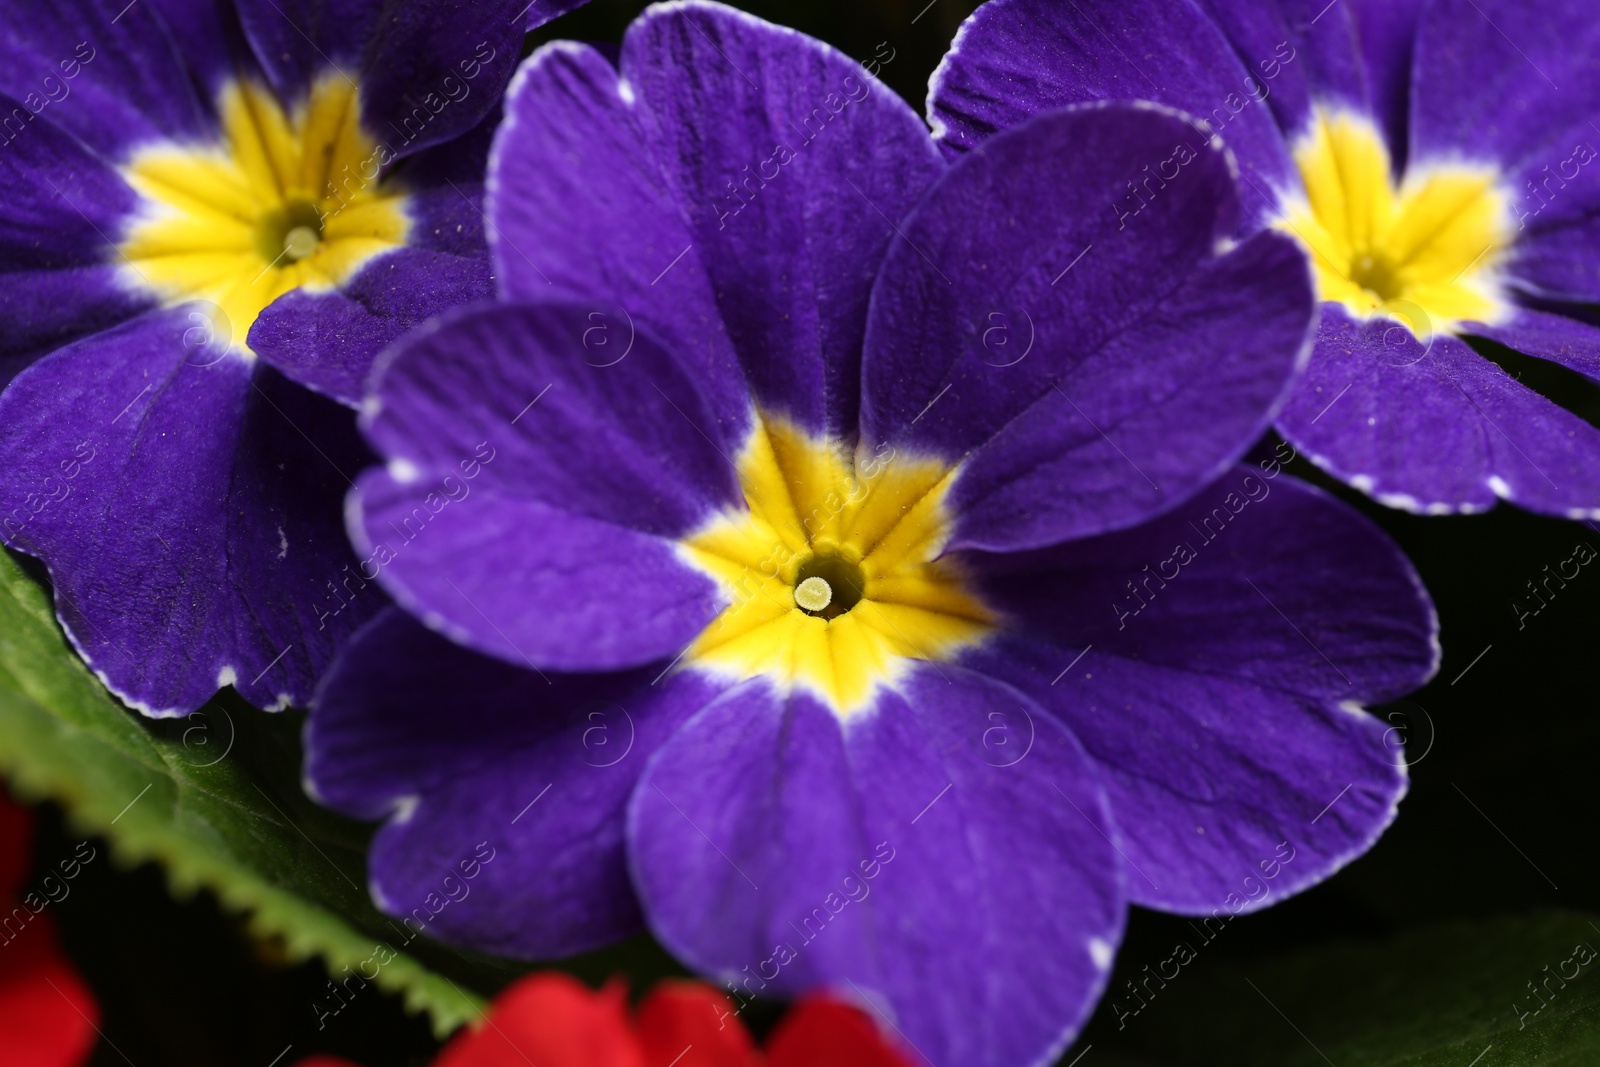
814 594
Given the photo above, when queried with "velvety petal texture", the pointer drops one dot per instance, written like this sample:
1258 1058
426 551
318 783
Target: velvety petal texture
540 12
603 522
1373 391
1569 342
1345 106
1087 355
891 859
109 74
1300 54
761 193
737 282
58 282
435 68
217 482
174 167
529 778
1015 58
294 40
1509 99
1214 663
329 340
1388 41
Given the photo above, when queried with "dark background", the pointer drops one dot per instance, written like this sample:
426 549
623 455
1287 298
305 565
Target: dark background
1495 824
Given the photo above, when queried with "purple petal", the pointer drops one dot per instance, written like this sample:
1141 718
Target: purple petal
1387 32
582 476
1215 781
1315 44
742 212
112 77
1287 588
328 341
1573 344
1434 427
445 193
790 255
1559 262
540 12
569 147
1016 58
185 501
1090 361
1494 83
432 70
209 37
297 40
1214 664
537 768
893 859
58 280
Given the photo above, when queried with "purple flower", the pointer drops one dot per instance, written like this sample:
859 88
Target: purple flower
205 203
839 560
1436 159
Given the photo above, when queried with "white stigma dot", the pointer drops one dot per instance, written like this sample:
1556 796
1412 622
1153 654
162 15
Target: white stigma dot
813 594
300 242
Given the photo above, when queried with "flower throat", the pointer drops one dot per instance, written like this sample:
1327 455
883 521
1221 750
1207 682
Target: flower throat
833 569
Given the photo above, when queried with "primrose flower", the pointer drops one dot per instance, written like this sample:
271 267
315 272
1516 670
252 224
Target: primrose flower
203 203
1438 163
837 560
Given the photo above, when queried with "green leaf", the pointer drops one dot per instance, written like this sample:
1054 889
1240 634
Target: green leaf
216 800
1439 997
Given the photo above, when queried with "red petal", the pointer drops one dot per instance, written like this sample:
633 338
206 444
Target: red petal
47 1014
16 847
689 1024
824 1033
553 1021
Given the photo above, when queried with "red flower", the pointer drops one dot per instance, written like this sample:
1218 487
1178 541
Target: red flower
47 1014
553 1020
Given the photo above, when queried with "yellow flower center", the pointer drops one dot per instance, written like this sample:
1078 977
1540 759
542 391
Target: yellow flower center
833 568
1426 253
282 201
